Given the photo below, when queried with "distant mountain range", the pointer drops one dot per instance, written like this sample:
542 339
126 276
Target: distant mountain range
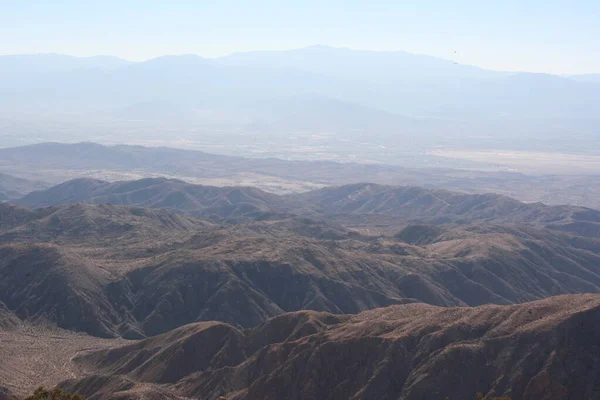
363 65
594 78
30 64
396 82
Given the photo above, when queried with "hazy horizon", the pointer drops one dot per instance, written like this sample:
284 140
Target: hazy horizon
551 37
414 84
284 50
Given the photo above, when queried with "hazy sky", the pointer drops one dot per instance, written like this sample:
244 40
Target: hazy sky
553 36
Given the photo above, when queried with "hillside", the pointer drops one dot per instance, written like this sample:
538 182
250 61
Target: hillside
367 203
12 188
422 288
91 224
362 205
112 270
543 350
158 193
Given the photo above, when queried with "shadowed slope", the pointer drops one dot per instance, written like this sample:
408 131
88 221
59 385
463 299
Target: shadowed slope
43 282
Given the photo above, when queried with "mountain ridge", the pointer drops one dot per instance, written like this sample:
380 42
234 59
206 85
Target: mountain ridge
139 272
435 87
357 204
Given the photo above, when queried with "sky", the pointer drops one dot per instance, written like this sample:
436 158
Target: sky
559 37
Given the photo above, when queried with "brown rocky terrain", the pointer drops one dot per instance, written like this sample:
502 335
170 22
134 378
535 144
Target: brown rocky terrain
158 193
118 271
86 223
358 205
547 349
367 204
270 298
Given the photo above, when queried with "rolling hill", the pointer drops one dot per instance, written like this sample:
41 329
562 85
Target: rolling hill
159 193
422 288
370 204
358 205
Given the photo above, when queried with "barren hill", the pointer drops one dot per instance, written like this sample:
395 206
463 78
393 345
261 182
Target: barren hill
367 203
269 300
113 270
363 205
542 350
158 193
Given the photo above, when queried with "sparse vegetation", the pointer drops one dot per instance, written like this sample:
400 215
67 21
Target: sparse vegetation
53 394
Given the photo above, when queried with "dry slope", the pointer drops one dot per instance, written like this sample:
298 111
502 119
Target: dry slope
111 271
